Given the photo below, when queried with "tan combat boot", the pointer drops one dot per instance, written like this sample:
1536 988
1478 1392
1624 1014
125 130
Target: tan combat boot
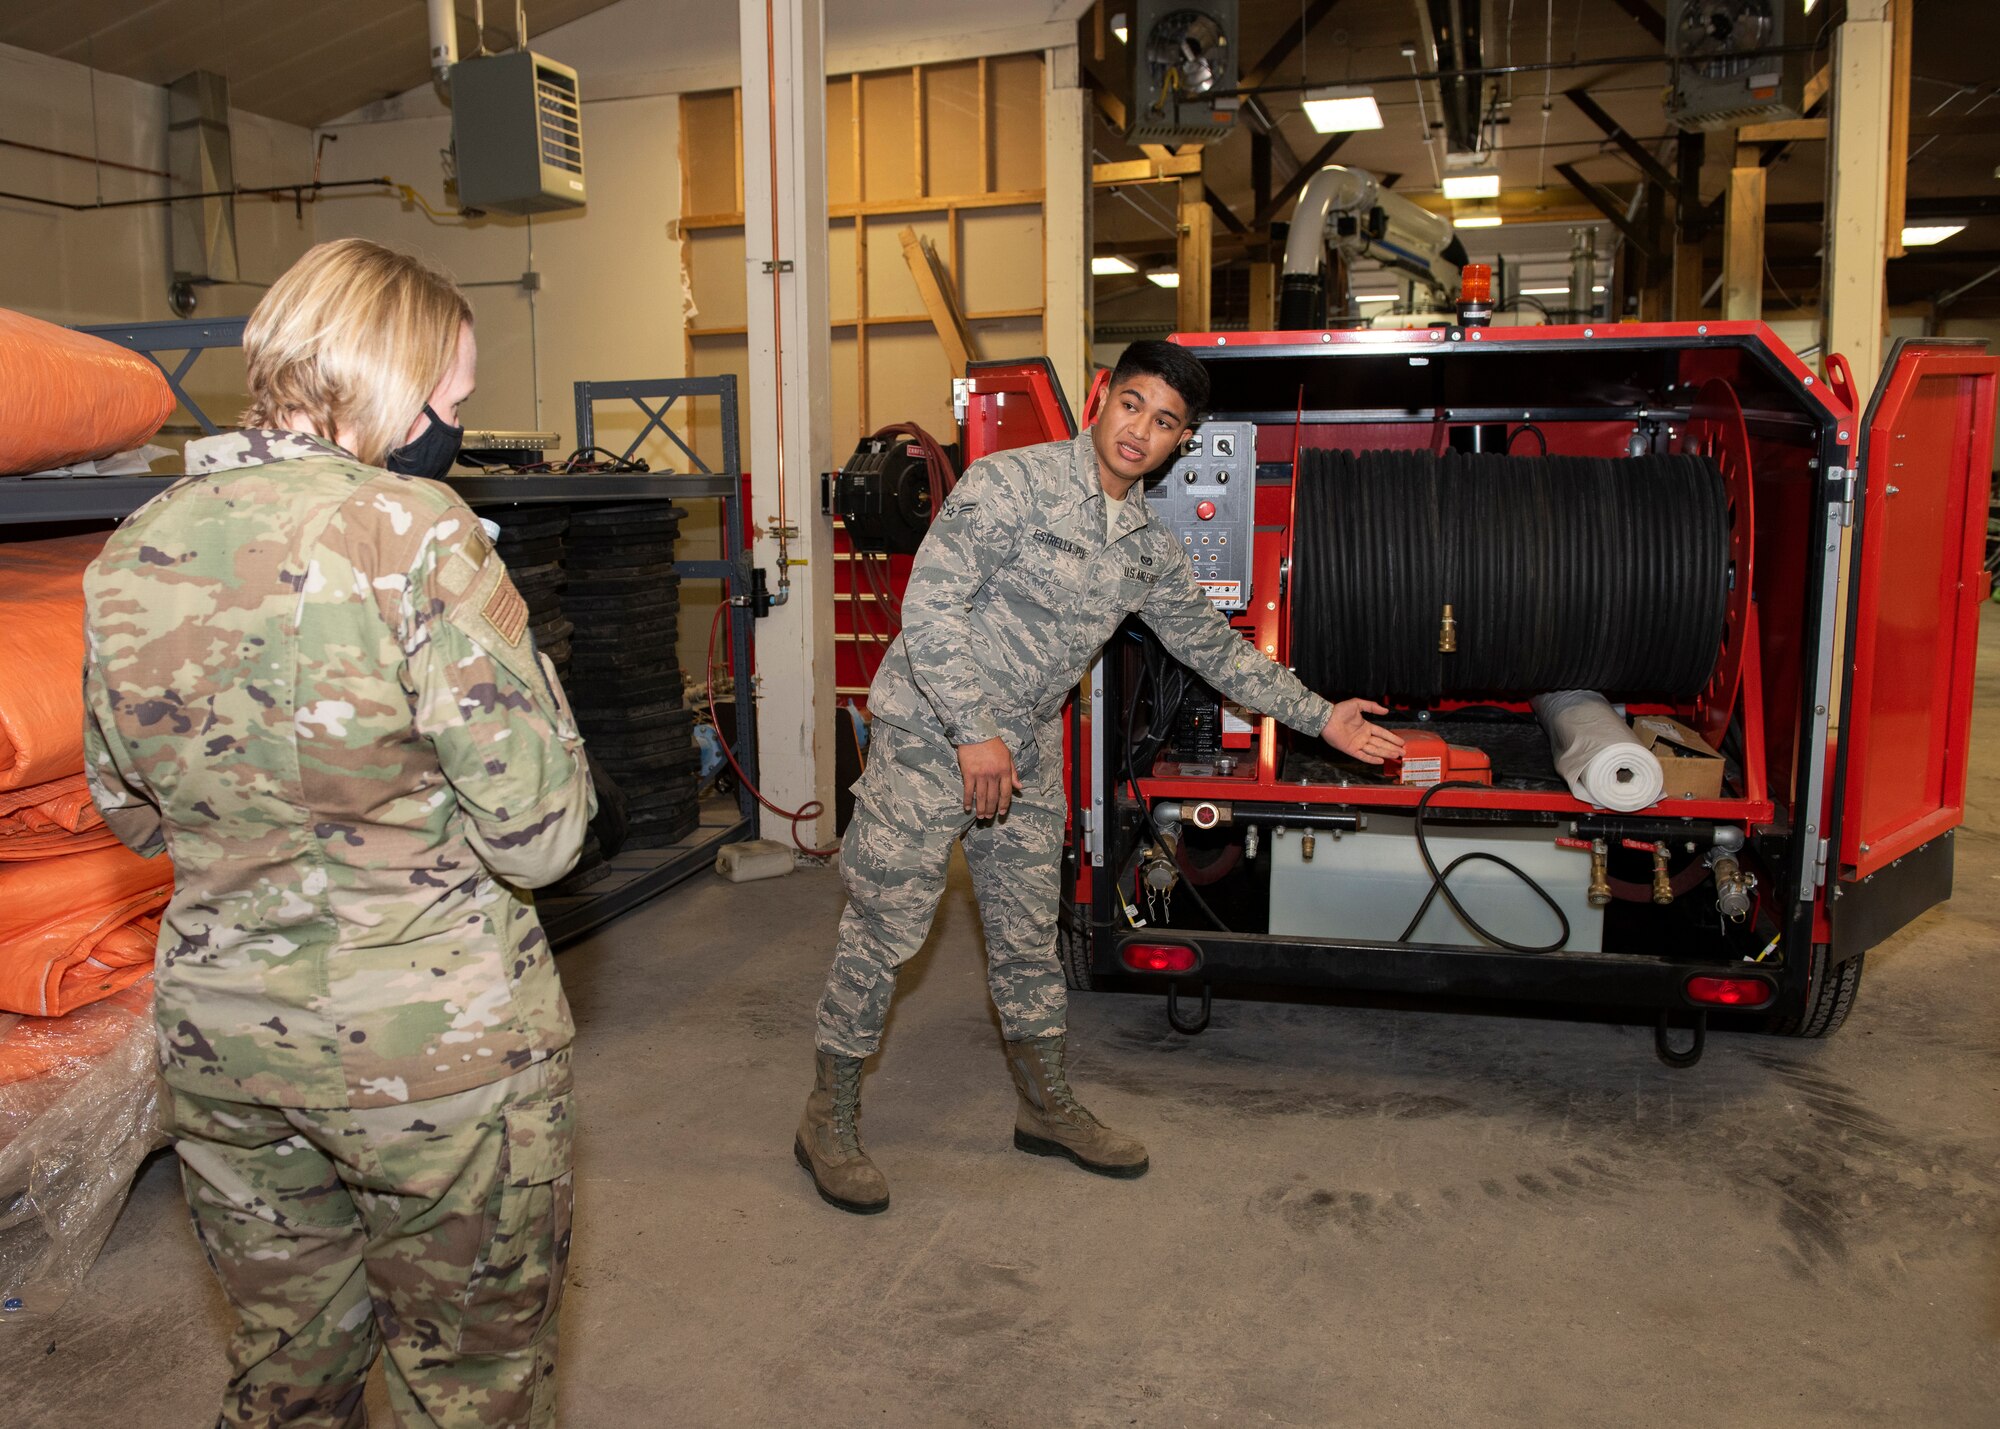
1051 1123
829 1141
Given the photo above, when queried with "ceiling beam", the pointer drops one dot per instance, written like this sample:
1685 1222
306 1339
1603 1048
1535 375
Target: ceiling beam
1649 19
1222 211
1929 209
1610 208
1655 172
1147 171
1289 190
1282 48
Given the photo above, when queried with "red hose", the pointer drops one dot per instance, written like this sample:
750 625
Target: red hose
811 810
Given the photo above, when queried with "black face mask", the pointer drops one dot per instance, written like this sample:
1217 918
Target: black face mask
433 451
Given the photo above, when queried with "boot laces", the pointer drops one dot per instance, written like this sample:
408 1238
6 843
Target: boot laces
1059 1089
847 1108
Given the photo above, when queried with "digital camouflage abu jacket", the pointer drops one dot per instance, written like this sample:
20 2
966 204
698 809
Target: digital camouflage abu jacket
1016 588
311 683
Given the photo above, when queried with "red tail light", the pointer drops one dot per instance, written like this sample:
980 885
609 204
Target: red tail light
1158 957
1729 991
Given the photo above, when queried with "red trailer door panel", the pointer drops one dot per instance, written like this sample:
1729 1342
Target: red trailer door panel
1917 584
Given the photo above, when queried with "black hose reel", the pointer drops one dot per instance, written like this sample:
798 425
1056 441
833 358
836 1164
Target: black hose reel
1417 577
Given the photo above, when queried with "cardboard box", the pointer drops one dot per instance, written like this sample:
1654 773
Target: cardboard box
1691 769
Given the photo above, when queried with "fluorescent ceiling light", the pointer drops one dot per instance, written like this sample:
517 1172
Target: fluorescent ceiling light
1342 111
1375 297
1562 292
1167 279
1461 186
1105 267
1923 237
1476 220
1118 26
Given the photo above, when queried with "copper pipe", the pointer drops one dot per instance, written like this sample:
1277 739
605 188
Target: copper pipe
777 293
86 159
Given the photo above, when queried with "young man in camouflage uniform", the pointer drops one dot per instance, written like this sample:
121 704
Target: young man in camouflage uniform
310 681
1033 562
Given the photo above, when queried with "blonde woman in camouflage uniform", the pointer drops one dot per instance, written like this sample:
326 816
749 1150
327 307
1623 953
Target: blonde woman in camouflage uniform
310 683
1033 562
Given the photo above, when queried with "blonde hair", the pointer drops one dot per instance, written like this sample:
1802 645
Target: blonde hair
353 340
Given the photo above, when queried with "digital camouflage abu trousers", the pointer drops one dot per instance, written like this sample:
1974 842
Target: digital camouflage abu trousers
909 809
438 1230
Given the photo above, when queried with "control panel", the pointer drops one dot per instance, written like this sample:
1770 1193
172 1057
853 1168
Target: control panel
1208 499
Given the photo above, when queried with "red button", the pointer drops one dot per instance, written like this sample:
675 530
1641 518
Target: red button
1205 510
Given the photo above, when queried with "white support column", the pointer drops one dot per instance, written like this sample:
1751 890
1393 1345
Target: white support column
1858 189
1066 224
789 402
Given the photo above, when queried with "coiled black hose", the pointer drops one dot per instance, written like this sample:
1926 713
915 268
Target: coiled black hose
1562 573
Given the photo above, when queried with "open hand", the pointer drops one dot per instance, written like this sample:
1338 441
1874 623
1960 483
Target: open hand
1349 733
990 782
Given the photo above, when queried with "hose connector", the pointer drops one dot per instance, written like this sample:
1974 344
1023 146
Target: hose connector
1600 878
1735 887
1663 888
1447 633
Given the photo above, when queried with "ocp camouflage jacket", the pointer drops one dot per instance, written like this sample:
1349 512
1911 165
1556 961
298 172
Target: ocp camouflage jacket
312 684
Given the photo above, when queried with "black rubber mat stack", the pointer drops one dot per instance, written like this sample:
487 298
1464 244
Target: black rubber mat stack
623 600
531 543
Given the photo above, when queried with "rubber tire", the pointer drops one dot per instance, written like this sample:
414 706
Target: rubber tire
1829 1001
1073 948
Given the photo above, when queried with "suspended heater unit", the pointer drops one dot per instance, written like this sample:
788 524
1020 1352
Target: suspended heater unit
1724 71
517 127
1183 59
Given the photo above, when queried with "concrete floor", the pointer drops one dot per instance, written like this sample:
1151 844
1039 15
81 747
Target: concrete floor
1355 1216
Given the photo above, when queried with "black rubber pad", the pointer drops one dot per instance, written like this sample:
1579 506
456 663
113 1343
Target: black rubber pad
615 512
544 552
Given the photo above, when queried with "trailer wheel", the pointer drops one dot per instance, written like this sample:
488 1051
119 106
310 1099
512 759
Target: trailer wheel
1073 947
1829 1000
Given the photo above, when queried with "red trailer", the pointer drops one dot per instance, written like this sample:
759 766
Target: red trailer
1832 597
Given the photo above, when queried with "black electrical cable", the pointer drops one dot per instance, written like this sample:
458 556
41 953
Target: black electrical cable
1527 427
1439 884
1562 573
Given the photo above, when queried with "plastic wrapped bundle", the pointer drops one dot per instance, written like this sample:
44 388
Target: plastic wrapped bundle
79 1110
1596 752
67 397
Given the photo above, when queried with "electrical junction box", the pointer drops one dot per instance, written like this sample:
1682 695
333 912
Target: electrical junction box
1720 81
1365 887
517 130
1208 499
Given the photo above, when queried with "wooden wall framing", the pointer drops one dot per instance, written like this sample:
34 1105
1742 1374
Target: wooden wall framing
953 151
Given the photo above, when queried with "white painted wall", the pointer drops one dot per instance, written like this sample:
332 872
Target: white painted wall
112 265
609 304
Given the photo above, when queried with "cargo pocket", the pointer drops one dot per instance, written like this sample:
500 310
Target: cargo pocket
517 1283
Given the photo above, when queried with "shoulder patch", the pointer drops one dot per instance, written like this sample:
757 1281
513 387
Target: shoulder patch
506 611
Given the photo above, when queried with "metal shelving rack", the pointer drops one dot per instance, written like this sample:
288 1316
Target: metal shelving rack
637 875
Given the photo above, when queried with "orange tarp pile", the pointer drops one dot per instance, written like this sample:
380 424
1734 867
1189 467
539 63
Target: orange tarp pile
79 913
66 397
77 927
56 817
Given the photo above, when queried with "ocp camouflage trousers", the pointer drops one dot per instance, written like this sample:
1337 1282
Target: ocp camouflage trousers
437 1230
908 812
